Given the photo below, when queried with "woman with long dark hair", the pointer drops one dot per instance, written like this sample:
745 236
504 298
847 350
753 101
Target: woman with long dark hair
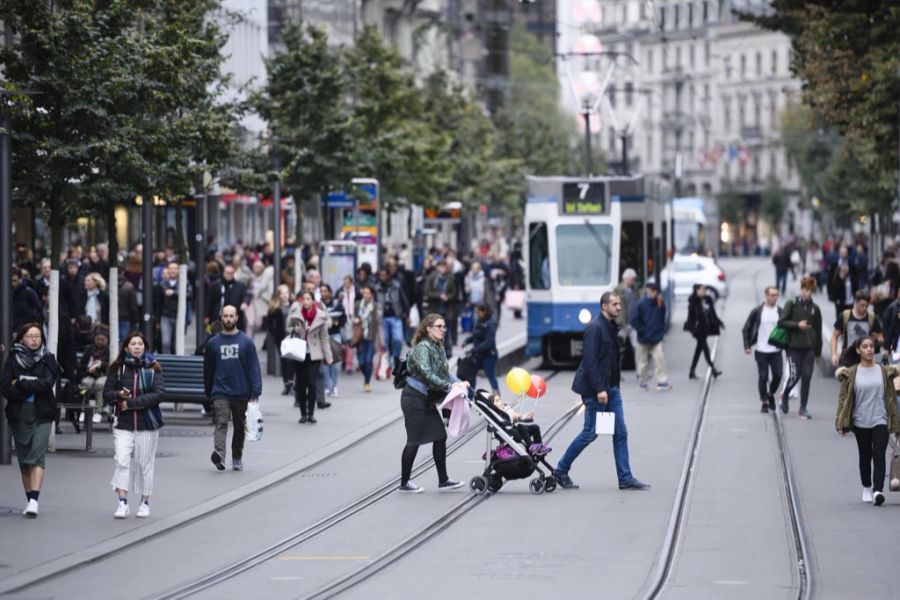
309 320
367 324
702 322
867 406
428 382
27 383
135 384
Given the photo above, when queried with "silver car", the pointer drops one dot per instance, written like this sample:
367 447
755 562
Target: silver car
686 270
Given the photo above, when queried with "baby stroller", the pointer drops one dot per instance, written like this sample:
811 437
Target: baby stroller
510 459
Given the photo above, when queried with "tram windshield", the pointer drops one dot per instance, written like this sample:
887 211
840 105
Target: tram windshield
584 254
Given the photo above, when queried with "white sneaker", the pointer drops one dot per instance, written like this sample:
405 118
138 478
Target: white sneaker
96 417
334 392
81 418
411 488
867 494
31 510
121 511
143 511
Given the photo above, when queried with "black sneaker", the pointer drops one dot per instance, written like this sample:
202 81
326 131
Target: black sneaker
634 484
784 406
323 404
764 408
218 460
450 484
564 481
771 401
878 499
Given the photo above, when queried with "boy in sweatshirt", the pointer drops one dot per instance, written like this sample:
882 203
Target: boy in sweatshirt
231 378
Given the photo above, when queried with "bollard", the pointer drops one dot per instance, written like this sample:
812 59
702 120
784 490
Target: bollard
89 425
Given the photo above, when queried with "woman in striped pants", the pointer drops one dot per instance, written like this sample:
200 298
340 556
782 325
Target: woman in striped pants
135 384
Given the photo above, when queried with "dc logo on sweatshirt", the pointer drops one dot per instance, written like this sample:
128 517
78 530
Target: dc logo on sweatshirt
230 352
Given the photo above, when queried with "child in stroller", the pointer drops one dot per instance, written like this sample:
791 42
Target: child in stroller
520 452
528 430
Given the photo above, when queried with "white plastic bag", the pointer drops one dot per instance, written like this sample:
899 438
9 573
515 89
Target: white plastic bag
253 427
293 348
414 317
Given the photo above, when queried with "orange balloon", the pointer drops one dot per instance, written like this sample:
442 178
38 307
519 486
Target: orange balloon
538 387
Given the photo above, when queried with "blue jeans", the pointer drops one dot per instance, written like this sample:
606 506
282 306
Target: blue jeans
489 365
124 329
330 372
392 328
588 434
365 353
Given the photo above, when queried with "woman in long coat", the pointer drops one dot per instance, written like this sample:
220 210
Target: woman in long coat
702 322
308 319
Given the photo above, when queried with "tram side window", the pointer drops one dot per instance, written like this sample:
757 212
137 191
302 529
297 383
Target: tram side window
538 257
631 252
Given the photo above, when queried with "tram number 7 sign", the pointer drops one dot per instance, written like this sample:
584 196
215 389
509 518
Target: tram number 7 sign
584 198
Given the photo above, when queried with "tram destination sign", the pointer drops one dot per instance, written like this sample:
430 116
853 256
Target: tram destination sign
584 198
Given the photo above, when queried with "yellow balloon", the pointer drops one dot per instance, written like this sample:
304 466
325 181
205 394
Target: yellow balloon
518 380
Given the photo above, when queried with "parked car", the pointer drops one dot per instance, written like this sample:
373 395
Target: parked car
685 271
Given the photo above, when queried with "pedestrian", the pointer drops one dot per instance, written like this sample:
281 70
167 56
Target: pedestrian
441 292
393 307
702 322
26 305
276 327
891 316
259 291
227 291
484 353
757 328
802 318
91 373
129 313
308 320
782 262
28 380
476 287
843 288
365 331
231 379
427 384
348 296
165 304
597 382
852 324
135 384
867 406
648 320
336 320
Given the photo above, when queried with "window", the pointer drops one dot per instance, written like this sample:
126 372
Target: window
742 113
757 111
759 68
743 66
612 141
665 57
774 65
773 111
576 241
678 57
649 149
705 11
649 59
676 17
773 162
538 257
631 248
629 93
662 18
726 112
690 15
691 56
707 54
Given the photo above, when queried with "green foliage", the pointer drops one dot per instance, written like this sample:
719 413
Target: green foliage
732 205
847 52
772 202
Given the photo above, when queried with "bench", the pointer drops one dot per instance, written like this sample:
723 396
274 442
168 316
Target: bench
183 375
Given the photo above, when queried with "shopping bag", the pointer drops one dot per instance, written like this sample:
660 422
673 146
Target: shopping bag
414 317
606 423
779 337
514 299
293 348
383 366
465 319
895 464
253 427
467 369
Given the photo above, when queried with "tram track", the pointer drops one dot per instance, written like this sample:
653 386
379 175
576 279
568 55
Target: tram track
301 536
676 526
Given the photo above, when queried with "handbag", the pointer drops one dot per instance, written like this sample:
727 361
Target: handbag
293 348
357 335
253 423
780 337
335 350
514 299
400 375
383 366
894 484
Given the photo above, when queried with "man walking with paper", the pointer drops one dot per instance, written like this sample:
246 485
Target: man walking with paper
597 382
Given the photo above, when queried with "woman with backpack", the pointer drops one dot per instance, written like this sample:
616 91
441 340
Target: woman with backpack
29 376
702 322
135 384
867 406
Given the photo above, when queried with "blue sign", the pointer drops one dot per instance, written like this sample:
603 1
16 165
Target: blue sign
339 199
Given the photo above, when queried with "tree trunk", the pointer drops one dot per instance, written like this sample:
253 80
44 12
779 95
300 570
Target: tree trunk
181 315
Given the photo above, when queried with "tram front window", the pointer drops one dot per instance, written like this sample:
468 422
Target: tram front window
584 254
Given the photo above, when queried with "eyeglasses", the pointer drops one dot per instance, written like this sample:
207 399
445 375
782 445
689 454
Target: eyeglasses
439 326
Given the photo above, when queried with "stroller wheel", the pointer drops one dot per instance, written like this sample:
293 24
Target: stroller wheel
478 485
536 486
549 485
495 482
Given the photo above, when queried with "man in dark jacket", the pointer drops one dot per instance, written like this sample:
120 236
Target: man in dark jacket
26 306
597 382
803 319
165 302
442 292
394 307
648 318
227 291
759 325
891 322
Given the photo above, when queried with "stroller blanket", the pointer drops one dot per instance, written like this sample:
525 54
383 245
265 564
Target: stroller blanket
455 400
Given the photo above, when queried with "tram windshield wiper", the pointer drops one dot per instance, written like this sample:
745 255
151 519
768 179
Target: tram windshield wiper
597 237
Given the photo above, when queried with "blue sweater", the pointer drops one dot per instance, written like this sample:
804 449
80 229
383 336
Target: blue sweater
649 321
231 368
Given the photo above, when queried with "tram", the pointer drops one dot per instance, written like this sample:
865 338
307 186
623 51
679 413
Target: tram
582 233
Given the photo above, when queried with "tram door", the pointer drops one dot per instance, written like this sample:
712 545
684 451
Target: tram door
632 253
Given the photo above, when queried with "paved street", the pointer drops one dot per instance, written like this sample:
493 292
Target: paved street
735 541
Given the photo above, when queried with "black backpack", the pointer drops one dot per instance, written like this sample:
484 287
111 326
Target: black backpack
400 374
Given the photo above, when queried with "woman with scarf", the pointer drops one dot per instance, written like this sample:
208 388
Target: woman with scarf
702 322
276 326
27 383
365 323
309 321
96 304
135 384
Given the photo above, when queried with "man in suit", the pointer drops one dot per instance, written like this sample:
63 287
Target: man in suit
597 382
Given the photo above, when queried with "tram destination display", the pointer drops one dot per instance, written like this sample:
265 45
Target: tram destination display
584 198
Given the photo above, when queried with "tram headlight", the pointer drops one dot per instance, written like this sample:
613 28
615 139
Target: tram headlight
585 316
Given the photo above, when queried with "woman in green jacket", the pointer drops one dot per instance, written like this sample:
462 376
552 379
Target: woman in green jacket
428 382
867 406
